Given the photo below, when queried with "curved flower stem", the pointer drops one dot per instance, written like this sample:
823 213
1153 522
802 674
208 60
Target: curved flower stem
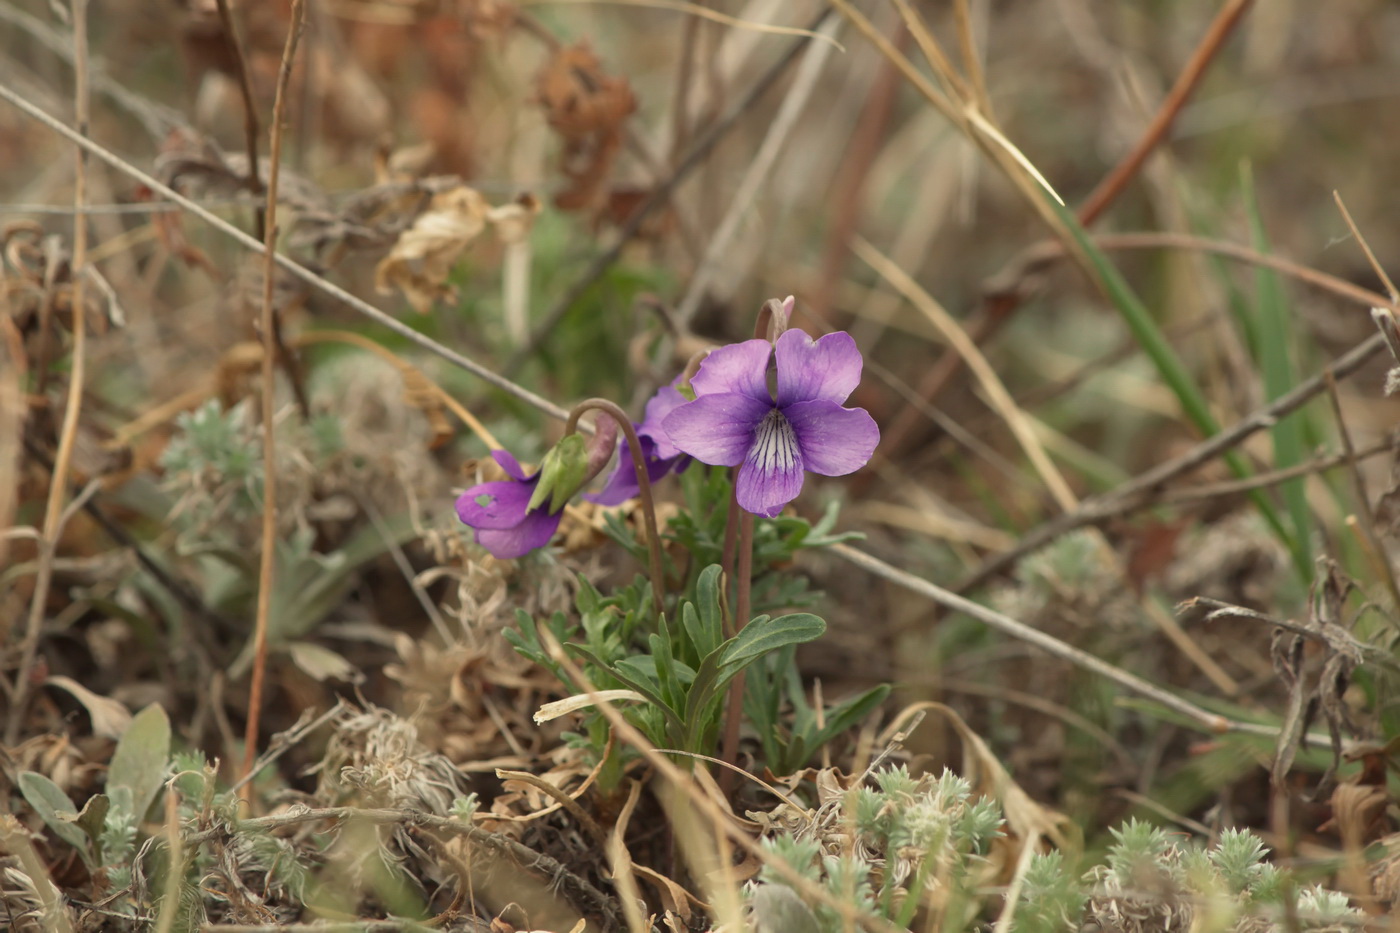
735 705
639 463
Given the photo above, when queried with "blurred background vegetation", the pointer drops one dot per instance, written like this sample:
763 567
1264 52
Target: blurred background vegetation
579 195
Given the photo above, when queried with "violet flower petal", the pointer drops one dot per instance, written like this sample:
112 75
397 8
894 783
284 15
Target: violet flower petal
740 368
771 476
534 531
506 460
717 429
834 440
666 400
621 484
827 368
496 505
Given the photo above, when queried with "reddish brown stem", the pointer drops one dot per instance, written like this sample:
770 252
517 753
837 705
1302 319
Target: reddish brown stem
734 712
1116 180
999 307
269 525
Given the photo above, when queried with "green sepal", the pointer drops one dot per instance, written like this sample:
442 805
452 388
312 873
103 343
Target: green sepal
563 473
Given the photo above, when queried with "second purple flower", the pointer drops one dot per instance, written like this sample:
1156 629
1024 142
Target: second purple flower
736 421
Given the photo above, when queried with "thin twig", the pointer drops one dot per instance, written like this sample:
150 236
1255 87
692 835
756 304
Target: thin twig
745 196
1107 190
68 432
1366 525
1234 487
1045 642
659 195
290 265
255 187
250 114
268 561
157 119
1098 508
1376 267
998 308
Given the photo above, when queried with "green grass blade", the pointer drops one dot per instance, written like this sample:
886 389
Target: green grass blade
1274 332
1158 349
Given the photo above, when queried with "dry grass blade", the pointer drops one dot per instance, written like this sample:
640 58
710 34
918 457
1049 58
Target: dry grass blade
1025 434
319 282
1045 642
12 411
1376 267
742 204
997 395
567 801
14 838
703 12
624 875
1147 484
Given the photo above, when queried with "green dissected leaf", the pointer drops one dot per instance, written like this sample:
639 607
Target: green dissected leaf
710 632
141 759
763 635
664 661
54 808
759 637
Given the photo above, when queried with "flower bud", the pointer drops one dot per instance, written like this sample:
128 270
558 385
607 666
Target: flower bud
563 473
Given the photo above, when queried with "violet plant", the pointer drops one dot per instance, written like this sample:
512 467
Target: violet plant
674 663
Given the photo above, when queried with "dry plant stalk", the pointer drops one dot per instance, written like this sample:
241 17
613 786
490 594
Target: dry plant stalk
268 558
68 433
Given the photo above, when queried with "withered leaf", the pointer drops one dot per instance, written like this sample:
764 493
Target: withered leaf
421 260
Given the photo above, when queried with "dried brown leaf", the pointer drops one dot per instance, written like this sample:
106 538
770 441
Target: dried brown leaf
421 260
587 108
109 717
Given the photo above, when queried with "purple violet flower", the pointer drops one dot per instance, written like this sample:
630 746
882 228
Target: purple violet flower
501 514
736 421
660 454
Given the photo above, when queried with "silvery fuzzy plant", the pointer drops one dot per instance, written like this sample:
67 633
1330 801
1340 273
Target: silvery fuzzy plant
910 842
1154 881
882 849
